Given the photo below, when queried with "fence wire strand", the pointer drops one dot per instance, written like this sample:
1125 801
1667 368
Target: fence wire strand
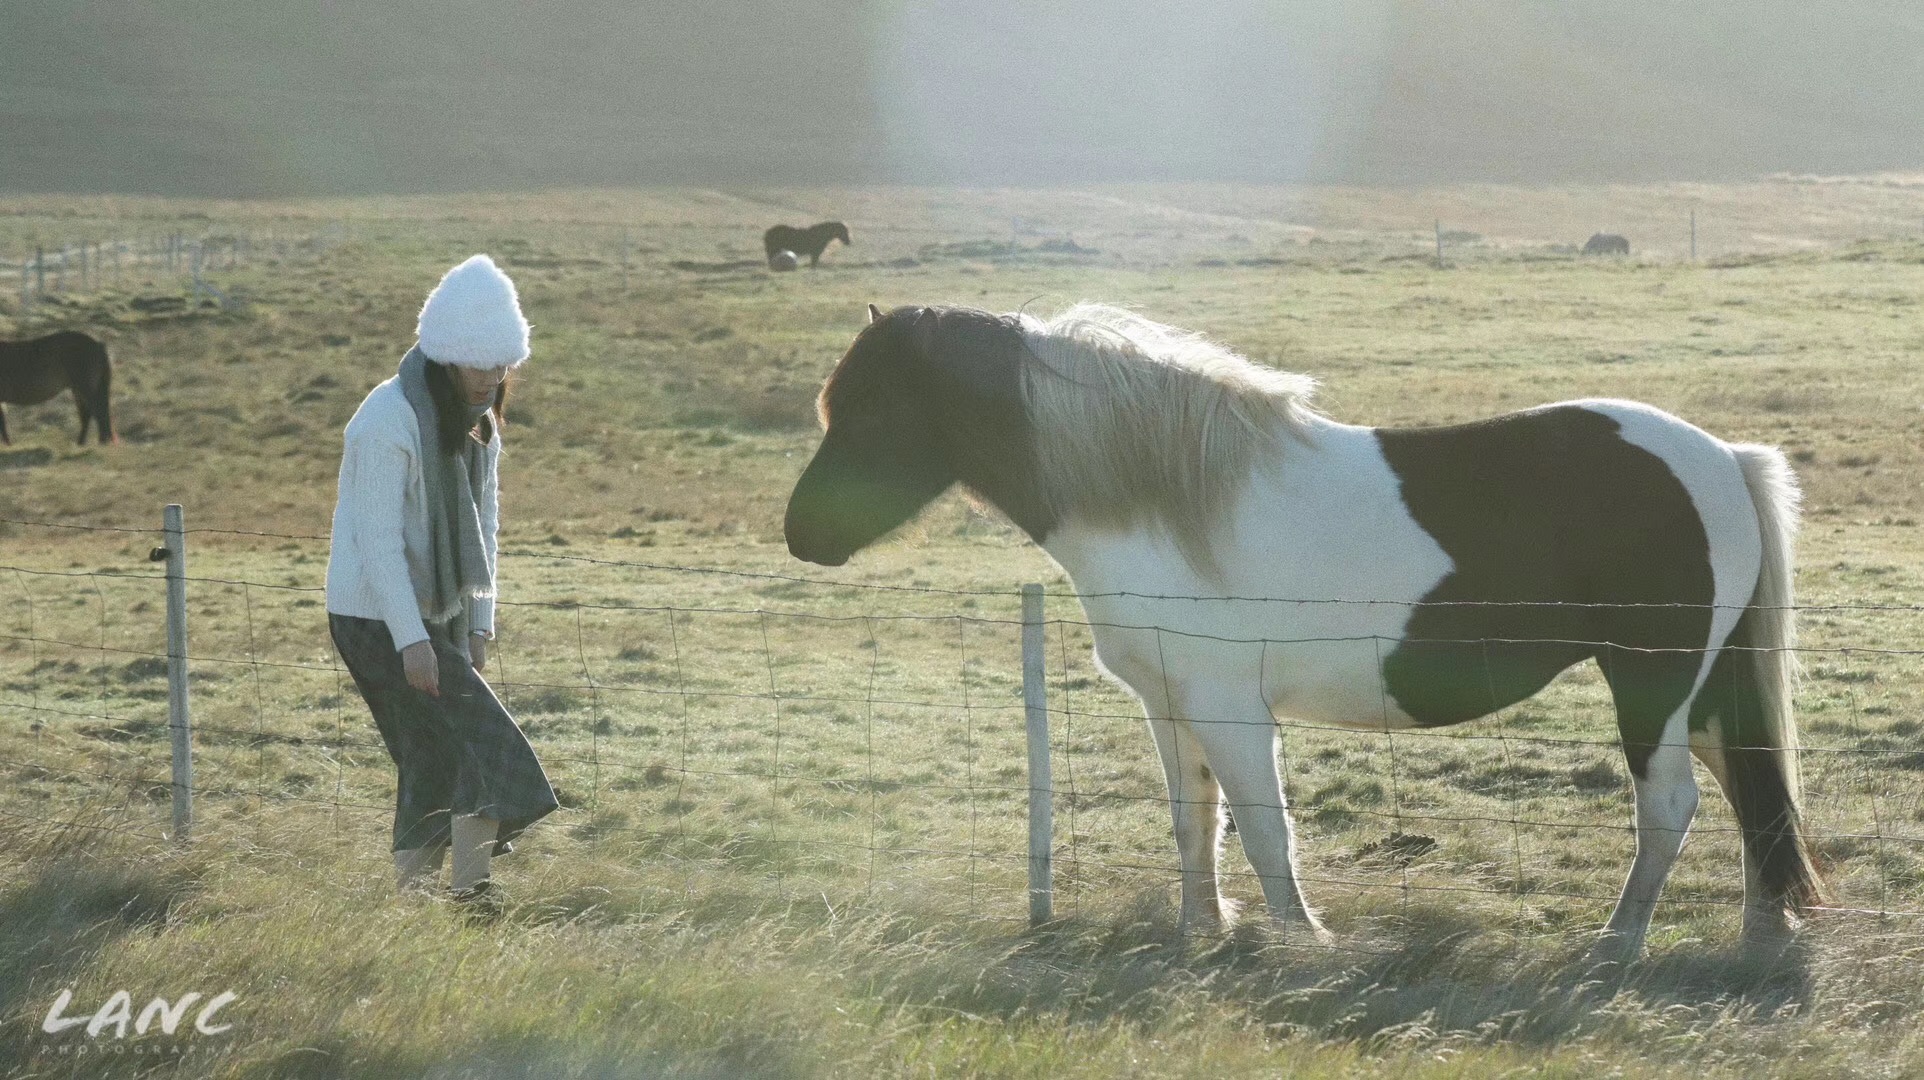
1105 791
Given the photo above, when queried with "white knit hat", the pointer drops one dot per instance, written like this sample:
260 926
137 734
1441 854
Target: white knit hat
473 318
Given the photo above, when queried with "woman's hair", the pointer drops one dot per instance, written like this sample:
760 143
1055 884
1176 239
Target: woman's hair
452 411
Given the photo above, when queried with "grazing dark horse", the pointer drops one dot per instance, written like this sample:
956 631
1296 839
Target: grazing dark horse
34 371
811 241
1606 244
1242 557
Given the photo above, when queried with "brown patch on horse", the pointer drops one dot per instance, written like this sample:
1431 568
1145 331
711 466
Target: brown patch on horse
1542 512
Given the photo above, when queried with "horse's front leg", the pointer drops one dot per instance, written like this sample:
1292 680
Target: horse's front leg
1238 736
3 427
1195 805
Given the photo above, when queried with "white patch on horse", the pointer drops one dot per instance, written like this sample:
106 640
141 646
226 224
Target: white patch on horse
1324 522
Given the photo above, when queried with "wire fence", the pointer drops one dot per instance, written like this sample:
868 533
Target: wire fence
737 728
175 260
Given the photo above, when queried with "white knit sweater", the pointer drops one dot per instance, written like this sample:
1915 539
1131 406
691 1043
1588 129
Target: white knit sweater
380 541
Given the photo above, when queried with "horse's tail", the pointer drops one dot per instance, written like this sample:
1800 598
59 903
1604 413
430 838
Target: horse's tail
1749 694
103 409
90 375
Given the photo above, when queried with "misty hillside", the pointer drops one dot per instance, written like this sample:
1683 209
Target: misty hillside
219 97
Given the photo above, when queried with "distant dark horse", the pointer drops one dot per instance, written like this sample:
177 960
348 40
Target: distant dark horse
1606 244
811 241
34 371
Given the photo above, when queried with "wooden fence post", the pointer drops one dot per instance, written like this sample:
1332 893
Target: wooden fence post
1041 784
179 716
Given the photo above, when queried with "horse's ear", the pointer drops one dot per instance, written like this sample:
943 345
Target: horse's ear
922 333
874 314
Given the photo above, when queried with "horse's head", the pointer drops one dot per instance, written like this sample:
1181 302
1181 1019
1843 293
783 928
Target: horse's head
923 398
840 232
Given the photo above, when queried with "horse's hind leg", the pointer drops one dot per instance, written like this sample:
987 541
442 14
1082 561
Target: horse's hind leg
4 440
1653 724
1764 919
1666 804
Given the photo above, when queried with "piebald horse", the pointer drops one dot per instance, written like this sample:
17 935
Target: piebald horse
1448 571
34 371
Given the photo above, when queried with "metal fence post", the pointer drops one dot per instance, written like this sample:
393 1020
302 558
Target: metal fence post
1041 786
179 717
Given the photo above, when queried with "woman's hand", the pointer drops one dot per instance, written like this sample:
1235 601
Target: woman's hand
478 651
423 671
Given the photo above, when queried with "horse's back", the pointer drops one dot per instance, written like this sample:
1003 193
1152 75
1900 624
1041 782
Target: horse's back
38 369
1541 502
1569 501
1432 575
60 343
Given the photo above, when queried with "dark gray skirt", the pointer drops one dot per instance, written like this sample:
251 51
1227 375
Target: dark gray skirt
460 753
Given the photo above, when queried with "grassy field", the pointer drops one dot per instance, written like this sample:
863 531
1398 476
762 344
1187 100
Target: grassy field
791 841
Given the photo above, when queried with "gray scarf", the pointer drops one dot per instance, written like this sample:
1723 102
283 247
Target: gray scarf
460 570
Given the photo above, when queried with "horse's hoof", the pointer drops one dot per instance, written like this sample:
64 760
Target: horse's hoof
1768 940
1207 921
1315 937
1612 953
1297 930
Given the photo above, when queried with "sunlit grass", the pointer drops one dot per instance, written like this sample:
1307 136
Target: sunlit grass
791 840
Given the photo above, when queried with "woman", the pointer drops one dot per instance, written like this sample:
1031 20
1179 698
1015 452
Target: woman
410 583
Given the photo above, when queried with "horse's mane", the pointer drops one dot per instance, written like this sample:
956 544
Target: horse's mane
1134 418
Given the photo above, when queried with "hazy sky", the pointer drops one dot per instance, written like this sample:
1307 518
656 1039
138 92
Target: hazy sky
246 98
1006 91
